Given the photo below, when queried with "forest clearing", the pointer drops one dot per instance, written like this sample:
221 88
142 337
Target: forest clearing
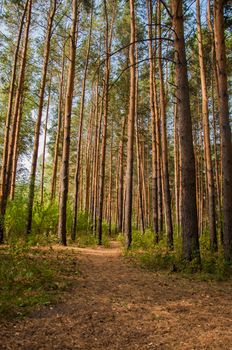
114 304
115 174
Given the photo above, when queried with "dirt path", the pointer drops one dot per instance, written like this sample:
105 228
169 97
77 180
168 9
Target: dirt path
119 306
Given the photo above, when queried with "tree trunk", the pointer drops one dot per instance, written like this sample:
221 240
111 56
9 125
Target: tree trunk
39 116
108 42
82 106
188 179
176 171
130 142
109 216
96 167
95 151
224 120
58 132
44 145
15 152
140 164
10 151
216 162
165 173
64 173
10 104
88 158
120 177
205 115
139 172
153 122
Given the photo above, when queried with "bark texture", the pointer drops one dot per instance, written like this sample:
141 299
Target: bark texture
189 224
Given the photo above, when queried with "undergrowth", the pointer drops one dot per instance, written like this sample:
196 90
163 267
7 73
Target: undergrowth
156 257
45 223
30 277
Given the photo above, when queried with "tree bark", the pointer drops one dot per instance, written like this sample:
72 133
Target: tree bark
131 126
10 104
108 42
58 132
205 115
153 109
120 177
139 171
16 150
10 151
224 120
64 173
188 179
176 171
109 214
44 145
82 106
165 172
39 116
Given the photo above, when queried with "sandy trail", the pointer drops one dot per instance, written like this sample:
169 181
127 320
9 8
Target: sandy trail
119 306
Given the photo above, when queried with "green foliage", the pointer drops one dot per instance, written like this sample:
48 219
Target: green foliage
85 236
45 222
157 257
45 219
15 218
29 278
143 241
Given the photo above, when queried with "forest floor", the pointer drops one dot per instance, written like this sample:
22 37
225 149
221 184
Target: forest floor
117 305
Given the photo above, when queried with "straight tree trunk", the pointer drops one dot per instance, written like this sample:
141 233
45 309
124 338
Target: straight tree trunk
44 145
39 116
109 216
82 106
165 172
188 180
224 121
205 115
10 104
97 166
159 178
120 177
176 170
108 42
139 174
216 158
144 194
88 158
6 180
95 151
15 152
58 132
153 122
148 187
64 173
130 142
158 152
215 81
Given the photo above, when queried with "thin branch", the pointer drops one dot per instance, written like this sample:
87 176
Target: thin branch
166 7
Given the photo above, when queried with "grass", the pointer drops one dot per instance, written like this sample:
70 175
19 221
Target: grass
32 277
156 257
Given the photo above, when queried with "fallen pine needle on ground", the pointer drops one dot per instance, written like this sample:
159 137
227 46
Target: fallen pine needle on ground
106 302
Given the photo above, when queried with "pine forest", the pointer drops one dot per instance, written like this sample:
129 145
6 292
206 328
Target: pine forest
115 168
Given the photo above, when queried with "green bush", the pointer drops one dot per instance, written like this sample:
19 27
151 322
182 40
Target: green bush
157 256
15 219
